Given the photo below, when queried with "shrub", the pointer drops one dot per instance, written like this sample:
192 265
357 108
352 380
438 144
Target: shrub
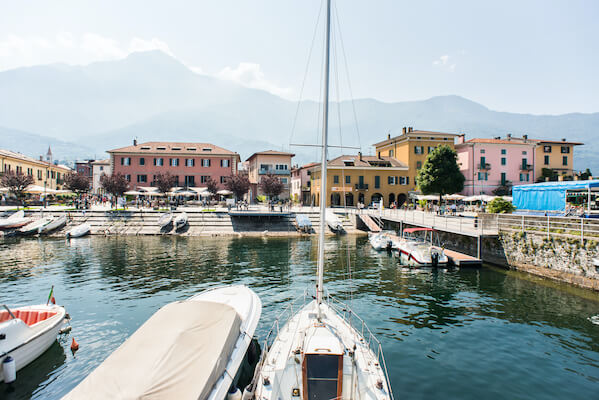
500 206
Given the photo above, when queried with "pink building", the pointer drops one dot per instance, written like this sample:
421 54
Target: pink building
192 163
300 184
269 162
490 163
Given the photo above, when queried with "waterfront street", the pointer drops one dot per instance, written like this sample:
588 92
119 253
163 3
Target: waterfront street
461 334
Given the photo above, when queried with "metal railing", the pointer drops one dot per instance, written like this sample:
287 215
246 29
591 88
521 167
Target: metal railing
550 226
361 186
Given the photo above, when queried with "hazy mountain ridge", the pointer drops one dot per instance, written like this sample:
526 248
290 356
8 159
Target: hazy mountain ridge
152 96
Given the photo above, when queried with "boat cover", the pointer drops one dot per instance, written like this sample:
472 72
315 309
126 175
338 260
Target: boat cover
179 353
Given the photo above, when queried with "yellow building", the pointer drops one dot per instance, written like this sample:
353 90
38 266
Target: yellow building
361 179
555 155
411 148
44 173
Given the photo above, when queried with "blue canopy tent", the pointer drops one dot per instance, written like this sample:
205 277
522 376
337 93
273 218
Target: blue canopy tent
548 196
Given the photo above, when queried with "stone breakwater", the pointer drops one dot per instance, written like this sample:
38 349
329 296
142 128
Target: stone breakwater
200 223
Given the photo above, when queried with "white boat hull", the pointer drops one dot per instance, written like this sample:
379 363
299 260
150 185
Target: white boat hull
34 226
181 221
28 343
419 255
53 225
165 220
78 231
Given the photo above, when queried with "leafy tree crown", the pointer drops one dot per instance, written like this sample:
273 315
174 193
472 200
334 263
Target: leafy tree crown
441 172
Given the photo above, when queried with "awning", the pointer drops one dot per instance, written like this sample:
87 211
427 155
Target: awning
179 353
485 198
548 196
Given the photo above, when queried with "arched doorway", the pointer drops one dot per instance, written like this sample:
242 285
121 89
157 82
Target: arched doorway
376 198
361 198
391 199
401 198
349 199
335 199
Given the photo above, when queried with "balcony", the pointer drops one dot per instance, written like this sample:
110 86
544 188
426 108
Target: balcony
525 167
484 166
274 171
361 186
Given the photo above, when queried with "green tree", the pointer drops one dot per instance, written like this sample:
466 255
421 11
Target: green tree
500 206
115 184
440 173
16 184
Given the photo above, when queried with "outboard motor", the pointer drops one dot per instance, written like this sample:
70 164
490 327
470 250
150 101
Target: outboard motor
435 259
389 246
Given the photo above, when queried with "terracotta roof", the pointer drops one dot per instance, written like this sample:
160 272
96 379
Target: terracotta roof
271 153
366 161
499 141
174 148
558 142
101 162
24 158
415 133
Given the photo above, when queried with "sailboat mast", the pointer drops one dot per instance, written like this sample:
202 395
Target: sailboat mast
323 161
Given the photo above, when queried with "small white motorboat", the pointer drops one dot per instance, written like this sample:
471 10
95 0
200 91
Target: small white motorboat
27 332
35 225
180 220
333 221
78 231
16 220
165 219
190 349
381 240
55 223
420 247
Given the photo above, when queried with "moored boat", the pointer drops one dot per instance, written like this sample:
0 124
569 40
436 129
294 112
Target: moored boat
181 220
420 247
190 349
27 332
333 221
78 231
165 219
55 223
35 225
381 240
16 220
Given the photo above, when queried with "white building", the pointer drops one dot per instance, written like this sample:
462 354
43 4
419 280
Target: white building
99 167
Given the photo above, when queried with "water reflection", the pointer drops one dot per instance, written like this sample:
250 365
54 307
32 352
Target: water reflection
455 334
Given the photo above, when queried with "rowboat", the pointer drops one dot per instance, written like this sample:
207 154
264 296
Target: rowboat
55 223
165 220
197 348
78 231
27 332
35 225
333 221
16 220
181 220
420 247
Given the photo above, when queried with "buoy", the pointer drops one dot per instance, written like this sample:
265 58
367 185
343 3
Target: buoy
74 345
64 330
53 300
234 394
9 370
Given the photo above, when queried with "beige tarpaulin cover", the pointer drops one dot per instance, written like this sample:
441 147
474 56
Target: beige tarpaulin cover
179 353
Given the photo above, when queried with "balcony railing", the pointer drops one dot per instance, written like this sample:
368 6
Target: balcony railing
274 171
484 166
361 186
525 167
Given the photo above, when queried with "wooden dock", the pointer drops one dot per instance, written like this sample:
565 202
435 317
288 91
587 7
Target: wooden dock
463 260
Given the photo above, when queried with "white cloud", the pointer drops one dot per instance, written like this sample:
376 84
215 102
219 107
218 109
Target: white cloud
445 61
251 75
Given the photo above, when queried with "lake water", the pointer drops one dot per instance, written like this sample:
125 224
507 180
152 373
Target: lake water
463 334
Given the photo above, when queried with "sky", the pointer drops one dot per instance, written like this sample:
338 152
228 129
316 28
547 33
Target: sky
538 57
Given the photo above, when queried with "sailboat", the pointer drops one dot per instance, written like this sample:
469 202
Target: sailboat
324 351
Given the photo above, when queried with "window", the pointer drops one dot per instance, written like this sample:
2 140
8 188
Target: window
404 180
284 181
265 167
546 160
53 173
503 151
128 178
335 178
174 162
281 167
392 180
503 160
565 160
418 164
205 162
524 153
503 178
482 151
347 178
377 182
101 168
206 149
390 153
39 174
159 162
546 149
204 178
224 163
145 147
161 148
223 179
126 161
189 162
322 376
430 149
483 176
189 180
142 178
565 149
524 163
418 149
483 162
175 148
379 153
191 149
524 177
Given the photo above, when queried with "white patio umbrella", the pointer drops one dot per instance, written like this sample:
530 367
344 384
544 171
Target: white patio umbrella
454 196
480 197
135 193
224 192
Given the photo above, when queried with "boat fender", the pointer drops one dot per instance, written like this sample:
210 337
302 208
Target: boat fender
435 259
53 300
234 394
9 370
74 345
64 330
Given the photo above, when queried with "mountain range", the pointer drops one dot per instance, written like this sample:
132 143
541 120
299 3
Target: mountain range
82 111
